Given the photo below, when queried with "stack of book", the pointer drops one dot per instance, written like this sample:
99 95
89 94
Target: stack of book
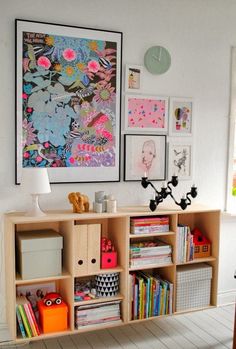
27 323
97 314
185 245
150 252
150 295
149 225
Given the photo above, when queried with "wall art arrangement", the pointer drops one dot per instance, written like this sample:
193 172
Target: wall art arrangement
181 158
68 101
146 113
145 155
133 78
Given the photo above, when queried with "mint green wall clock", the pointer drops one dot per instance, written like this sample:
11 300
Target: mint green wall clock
157 60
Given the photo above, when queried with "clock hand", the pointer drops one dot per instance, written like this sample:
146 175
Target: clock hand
156 58
160 52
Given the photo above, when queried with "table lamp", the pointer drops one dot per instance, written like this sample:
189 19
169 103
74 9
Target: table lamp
36 182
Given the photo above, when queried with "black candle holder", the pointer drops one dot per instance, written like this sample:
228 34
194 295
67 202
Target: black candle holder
167 191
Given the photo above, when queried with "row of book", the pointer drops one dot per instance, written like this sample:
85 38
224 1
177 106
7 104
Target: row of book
149 225
97 314
185 244
150 295
26 320
150 252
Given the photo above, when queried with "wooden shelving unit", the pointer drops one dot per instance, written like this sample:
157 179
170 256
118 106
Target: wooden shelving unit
116 226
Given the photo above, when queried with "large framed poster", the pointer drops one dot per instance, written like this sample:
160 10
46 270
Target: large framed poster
68 101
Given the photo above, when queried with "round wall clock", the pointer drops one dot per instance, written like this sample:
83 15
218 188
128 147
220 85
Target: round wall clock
157 60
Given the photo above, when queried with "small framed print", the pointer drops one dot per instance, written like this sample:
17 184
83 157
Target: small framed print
133 78
146 113
180 158
144 155
181 116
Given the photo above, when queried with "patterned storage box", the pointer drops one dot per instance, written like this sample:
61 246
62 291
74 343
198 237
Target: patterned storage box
193 286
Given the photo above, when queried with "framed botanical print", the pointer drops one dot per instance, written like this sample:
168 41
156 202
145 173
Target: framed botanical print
146 113
180 161
68 101
181 116
133 78
144 156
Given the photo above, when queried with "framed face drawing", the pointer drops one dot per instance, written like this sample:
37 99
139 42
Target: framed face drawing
181 117
145 155
180 158
133 78
146 113
68 101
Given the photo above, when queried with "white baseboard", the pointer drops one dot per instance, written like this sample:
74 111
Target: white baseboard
227 297
4 334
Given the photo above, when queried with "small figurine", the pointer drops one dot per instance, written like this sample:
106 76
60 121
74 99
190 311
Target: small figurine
52 298
79 201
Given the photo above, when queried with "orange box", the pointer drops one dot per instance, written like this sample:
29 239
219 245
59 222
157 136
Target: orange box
53 318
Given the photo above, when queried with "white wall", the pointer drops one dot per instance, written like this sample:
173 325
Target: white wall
198 34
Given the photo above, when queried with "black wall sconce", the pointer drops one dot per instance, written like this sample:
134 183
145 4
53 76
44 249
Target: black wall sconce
167 191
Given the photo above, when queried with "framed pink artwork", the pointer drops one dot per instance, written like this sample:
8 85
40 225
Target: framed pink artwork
146 113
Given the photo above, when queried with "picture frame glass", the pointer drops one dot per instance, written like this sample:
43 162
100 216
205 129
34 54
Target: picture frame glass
146 113
68 91
181 116
133 78
145 155
180 159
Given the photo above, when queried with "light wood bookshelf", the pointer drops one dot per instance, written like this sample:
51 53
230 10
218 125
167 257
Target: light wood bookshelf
116 226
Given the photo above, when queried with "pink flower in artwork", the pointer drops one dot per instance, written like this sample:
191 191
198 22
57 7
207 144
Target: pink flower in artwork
69 54
24 95
29 110
44 62
26 155
39 158
93 66
72 160
46 145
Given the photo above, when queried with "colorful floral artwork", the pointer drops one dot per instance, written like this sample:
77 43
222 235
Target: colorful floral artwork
146 113
70 99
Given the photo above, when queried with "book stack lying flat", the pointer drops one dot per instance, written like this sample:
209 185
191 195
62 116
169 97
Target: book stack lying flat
149 225
150 295
185 245
150 252
27 323
97 314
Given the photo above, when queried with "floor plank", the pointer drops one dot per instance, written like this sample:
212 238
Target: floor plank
122 339
52 343
108 340
150 339
177 336
80 341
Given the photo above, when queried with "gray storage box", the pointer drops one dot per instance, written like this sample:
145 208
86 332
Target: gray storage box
39 253
193 286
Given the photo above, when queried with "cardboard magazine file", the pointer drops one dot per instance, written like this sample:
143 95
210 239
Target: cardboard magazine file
39 253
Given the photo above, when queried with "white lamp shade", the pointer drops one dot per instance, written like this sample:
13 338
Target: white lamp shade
35 180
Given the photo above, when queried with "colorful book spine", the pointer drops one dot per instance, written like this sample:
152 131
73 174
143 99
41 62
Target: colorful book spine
25 320
34 318
29 317
20 323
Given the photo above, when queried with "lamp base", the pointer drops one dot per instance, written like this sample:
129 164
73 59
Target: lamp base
35 210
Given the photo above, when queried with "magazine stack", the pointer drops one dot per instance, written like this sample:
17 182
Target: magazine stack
150 252
149 225
97 314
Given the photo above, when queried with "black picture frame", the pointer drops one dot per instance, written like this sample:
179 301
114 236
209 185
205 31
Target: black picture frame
60 71
144 156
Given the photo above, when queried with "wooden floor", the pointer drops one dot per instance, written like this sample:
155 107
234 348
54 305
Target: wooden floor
212 328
